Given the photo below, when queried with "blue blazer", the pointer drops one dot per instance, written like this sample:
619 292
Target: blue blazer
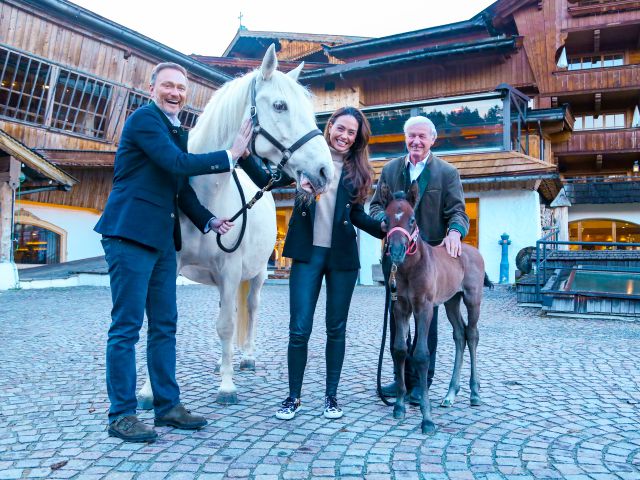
151 181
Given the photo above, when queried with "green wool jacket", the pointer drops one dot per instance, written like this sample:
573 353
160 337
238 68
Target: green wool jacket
441 205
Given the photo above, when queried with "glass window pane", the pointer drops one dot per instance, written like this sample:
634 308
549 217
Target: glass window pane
618 60
578 125
598 122
596 62
387 136
608 61
36 245
619 120
588 122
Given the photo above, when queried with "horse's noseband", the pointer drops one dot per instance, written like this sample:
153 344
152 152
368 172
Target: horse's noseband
412 237
258 130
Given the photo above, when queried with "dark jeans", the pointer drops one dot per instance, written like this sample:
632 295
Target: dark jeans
411 373
304 287
141 278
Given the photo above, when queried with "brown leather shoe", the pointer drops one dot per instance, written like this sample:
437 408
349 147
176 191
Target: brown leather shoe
130 429
180 417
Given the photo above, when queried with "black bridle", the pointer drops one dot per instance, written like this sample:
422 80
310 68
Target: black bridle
257 129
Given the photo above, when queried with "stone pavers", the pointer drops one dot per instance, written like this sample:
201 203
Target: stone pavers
561 398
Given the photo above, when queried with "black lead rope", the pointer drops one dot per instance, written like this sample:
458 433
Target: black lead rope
390 297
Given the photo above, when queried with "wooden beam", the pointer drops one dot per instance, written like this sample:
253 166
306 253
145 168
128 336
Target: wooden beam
597 100
599 161
596 40
554 102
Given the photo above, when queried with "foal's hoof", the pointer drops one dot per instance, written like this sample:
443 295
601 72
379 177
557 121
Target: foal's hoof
398 412
145 403
428 427
227 398
248 364
447 403
475 401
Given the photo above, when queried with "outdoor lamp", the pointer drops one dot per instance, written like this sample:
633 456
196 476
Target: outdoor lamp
636 167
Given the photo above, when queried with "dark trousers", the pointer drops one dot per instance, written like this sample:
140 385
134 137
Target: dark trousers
304 288
410 372
141 278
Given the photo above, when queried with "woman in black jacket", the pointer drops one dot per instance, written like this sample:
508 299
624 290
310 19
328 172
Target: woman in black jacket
321 240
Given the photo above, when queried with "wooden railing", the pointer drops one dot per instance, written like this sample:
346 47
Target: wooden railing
597 79
601 141
593 7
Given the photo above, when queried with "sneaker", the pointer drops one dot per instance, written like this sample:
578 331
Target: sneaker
288 408
331 408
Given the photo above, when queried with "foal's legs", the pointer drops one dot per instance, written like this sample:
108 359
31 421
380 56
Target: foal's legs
455 318
421 358
248 360
401 312
472 302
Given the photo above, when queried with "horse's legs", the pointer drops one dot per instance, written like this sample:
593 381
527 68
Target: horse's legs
401 312
473 336
145 395
248 361
455 318
421 358
225 326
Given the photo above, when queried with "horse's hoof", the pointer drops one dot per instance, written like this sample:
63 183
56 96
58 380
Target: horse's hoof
248 364
227 398
428 427
446 403
216 369
399 412
475 401
145 403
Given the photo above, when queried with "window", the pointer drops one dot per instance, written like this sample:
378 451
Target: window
135 100
188 118
36 245
585 62
471 207
603 230
81 104
24 85
611 120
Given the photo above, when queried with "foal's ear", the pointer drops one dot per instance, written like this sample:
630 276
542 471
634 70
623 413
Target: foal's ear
414 191
295 73
385 194
269 62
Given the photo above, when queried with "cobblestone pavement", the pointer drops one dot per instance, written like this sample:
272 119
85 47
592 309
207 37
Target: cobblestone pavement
561 398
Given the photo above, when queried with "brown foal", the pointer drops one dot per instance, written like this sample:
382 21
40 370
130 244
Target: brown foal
427 276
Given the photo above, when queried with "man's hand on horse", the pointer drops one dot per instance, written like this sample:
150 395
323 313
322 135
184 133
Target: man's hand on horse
452 243
241 142
220 225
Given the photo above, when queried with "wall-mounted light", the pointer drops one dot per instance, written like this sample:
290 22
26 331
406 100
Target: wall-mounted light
636 167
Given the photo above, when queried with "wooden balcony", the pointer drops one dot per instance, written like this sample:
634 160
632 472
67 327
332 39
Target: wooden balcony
582 8
597 79
625 140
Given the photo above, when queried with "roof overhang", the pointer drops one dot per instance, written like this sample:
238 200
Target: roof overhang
494 45
35 161
79 158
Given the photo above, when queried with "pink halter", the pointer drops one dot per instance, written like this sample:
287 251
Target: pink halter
413 238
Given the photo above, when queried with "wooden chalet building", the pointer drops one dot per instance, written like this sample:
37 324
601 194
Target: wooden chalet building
68 80
528 96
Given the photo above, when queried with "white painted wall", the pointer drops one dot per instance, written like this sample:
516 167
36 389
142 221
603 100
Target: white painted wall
82 241
515 212
629 212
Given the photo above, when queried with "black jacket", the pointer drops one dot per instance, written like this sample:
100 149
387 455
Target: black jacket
343 254
151 181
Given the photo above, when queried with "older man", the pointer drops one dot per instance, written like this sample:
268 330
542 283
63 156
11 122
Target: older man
440 215
140 235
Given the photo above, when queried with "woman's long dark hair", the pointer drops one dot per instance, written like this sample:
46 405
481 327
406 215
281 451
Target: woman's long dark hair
356 163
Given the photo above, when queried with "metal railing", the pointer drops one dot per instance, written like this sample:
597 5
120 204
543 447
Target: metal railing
550 243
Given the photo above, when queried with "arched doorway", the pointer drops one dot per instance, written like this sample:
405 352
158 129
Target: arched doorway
37 242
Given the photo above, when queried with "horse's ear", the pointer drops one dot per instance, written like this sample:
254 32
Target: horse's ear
295 73
385 194
269 62
414 191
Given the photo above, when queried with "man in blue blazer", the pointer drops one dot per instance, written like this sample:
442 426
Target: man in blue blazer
140 235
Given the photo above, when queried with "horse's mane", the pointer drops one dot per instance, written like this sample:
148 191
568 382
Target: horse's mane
229 106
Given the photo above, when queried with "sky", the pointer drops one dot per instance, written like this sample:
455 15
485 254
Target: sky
207 27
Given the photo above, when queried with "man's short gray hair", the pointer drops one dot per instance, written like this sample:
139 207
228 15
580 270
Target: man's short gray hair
163 66
419 119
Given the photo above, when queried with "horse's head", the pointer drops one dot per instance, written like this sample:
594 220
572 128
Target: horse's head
402 229
284 111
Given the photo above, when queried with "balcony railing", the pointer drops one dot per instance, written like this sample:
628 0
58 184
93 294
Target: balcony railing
593 7
597 79
624 140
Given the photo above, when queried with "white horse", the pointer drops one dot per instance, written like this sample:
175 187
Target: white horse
285 111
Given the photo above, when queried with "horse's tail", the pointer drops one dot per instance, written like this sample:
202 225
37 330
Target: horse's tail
242 324
487 282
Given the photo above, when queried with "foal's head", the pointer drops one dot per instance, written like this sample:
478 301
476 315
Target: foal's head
402 229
